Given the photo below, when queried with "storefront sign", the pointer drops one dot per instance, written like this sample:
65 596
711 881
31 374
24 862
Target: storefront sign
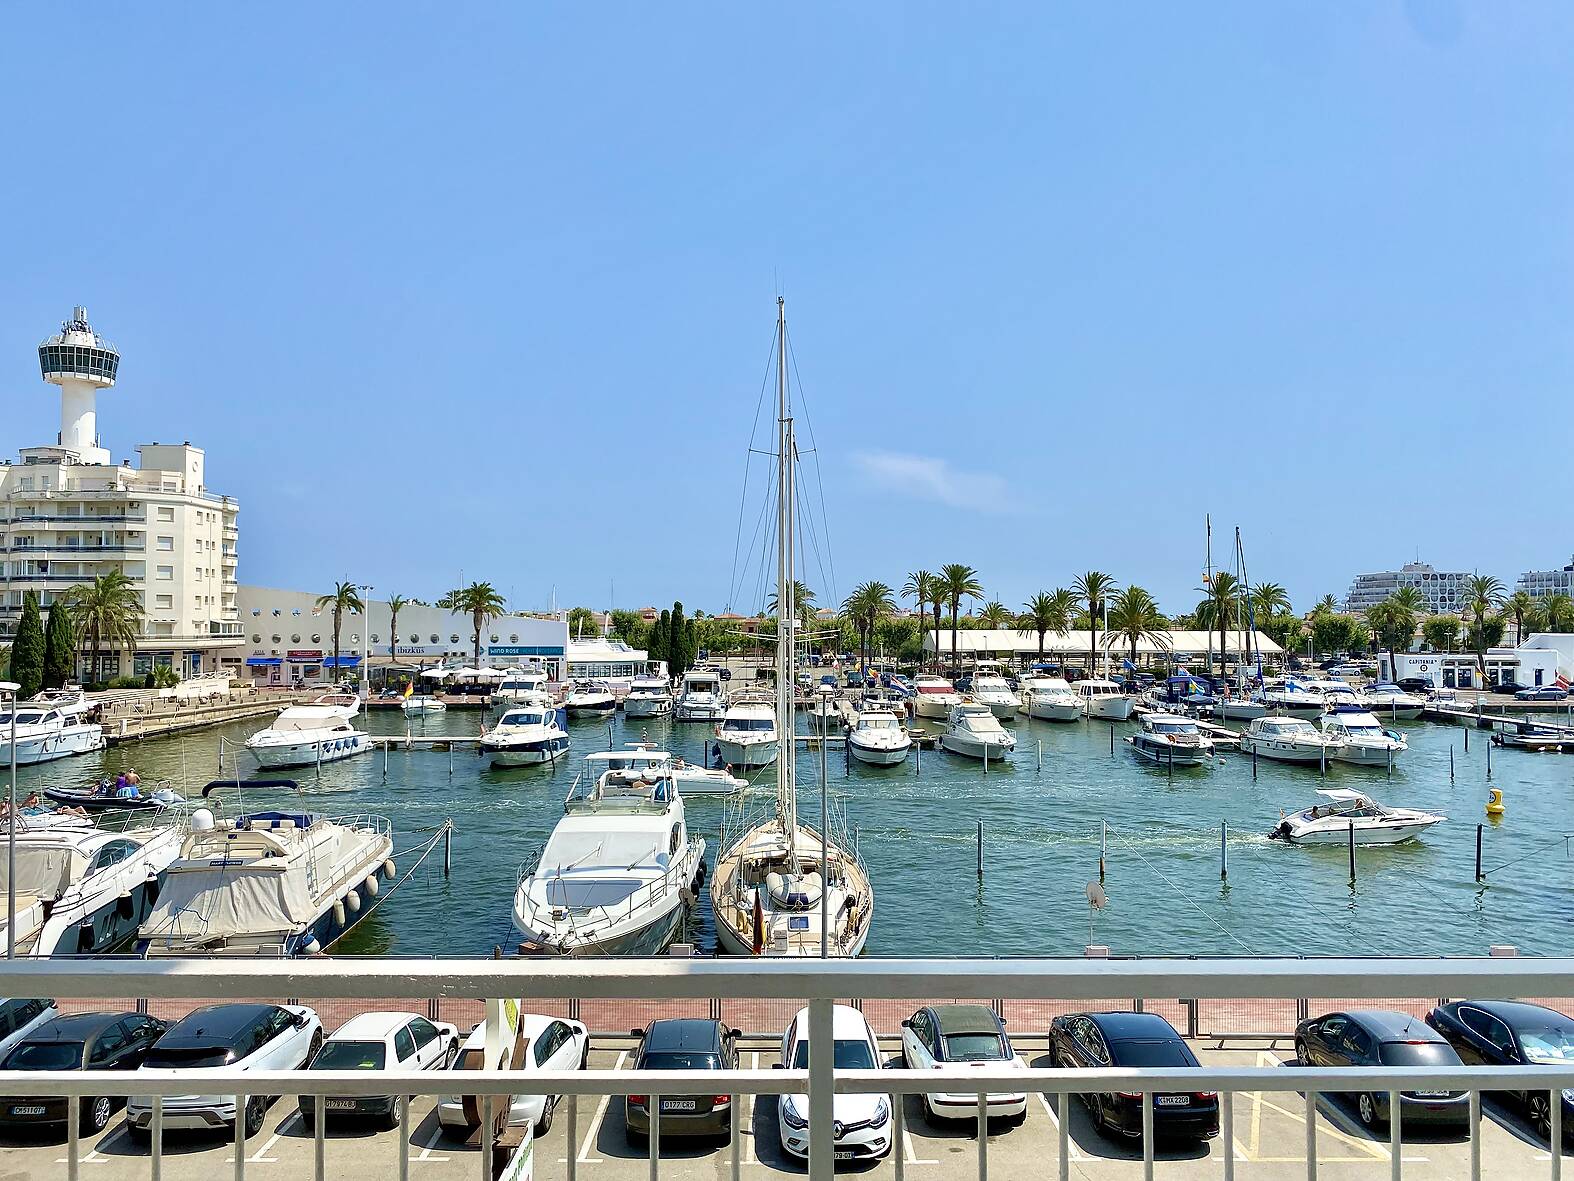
305 654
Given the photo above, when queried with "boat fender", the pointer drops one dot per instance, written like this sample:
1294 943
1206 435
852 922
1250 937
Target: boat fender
689 896
370 886
338 913
311 946
123 905
352 902
388 869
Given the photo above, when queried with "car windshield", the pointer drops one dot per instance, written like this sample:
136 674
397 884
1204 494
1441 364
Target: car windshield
351 1056
678 1060
1416 1054
1552 1044
851 1054
187 1058
1150 1053
45 1056
974 1047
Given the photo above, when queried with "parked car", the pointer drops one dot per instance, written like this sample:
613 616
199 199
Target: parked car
1100 1040
862 1129
380 1041
1414 684
545 1043
1513 1033
958 1039
1382 1037
683 1044
232 1036
19 1017
82 1041
1542 693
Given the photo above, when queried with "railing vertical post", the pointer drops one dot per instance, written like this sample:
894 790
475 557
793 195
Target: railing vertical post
822 1110
1227 1105
1063 1106
1555 1141
655 1137
1147 1136
240 1137
1475 1137
404 1137
487 1137
737 1137
1395 1137
572 1153
320 1140
73 1133
983 1137
156 1137
899 1134
1311 1135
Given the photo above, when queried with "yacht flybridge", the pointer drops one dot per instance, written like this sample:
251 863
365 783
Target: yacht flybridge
781 888
700 697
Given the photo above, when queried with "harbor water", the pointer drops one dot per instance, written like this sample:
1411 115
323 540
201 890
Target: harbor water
917 829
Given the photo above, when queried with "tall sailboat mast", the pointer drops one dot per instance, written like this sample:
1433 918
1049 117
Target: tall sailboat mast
786 601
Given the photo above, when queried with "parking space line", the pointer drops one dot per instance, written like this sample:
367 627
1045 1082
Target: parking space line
592 1132
260 1157
425 1155
1076 1152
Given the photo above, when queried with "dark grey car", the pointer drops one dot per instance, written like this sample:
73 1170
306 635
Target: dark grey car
1383 1037
684 1044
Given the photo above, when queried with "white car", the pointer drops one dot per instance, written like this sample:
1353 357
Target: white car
380 1041
19 1017
957 1039
546 1043
229 1038
863 1122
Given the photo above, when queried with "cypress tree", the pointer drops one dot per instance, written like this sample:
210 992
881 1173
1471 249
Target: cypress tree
677 643
658 639
27 650
59 648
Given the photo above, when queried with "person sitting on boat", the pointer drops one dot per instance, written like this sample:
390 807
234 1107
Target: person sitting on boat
127 790
103 787
133 778
120 782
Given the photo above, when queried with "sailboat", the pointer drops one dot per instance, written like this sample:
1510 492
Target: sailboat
780 887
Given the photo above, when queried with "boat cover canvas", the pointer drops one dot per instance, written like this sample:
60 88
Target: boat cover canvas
220 903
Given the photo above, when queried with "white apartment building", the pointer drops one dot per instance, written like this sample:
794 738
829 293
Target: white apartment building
69 513
1443 590
1541 583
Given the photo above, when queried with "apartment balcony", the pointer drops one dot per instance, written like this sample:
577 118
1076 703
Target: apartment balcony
71 520
1275 1117
136 547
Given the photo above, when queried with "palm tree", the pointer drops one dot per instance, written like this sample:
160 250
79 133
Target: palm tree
920 587
1269 599
1049 613
958 582
1393 622
1224 592
1135 616
1559 610
481 601
345 597
109 610
869 603
1327 605
995 614
396 604
1520 604
1093 588
1483 596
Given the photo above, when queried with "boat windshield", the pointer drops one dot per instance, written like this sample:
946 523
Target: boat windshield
1174 727
25 717
851 1054
877 722
521 718
748 724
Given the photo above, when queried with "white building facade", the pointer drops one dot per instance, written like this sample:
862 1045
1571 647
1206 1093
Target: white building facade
1538 584
71 513
1459 670
1443 590
288 639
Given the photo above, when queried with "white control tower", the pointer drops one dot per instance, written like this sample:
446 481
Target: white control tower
80 362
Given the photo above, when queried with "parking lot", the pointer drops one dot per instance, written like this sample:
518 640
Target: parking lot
1269 1142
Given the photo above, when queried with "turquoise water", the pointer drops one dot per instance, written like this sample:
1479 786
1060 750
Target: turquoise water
917 826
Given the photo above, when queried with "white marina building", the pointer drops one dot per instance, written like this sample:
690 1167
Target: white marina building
71 512
1443 590
1539 584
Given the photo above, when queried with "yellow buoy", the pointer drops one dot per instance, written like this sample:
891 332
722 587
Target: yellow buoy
1494 801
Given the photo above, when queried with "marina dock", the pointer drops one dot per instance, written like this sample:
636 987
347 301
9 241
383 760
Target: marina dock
135 724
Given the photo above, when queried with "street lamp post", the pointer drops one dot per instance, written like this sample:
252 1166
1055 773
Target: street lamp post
11 689
366 637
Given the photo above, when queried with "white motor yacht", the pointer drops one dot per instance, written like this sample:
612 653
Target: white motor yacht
527 735
974 731
1172 740
1391 702
520 685
80 889
591 697
878 737
1239 709
691 778
1354 813
303 735
700 697
992 690
747 735
1291 699
619 873
825 708
1050 699
1334 692
648 697
45 732
1356 736
1104 700
268 884
1286 740
933 696
419 705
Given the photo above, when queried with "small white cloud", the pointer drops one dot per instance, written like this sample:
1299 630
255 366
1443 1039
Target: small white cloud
927 477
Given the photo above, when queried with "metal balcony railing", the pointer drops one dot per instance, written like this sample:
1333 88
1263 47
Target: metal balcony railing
819 985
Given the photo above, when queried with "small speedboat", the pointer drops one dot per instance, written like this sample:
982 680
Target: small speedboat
1355 736
879 737
301 735
700 698
974 731
1530 736
420 704
1050 699
1390 701
1172 740
591 697
690 778
105 799
1292 700
825 708
1286 740
1354 812
526 735
933 696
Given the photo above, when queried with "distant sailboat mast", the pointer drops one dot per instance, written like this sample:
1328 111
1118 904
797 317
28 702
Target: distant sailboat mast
786 604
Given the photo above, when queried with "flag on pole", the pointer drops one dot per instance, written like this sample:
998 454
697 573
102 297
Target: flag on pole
409 688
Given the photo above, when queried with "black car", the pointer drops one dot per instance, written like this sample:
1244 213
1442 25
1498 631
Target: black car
82 1041
1101 1040
1512 1033
684 1043
1414 684
1382 1037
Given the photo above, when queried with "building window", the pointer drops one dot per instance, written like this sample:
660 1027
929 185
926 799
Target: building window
414 639
296 638
355 637
166 544
454 639
513 639
494 638
165 573
256 611
163 602
256 638
376 638
434 638
316 637
165 513
296 612
277 637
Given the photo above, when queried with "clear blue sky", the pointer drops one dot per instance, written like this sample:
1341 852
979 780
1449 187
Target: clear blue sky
490 288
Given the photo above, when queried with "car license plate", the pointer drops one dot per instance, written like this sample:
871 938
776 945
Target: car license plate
339 1104
678 1104
1172 1100
1431 1094
842 1154
31 1110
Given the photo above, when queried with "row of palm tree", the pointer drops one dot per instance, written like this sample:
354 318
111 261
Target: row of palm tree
480 600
